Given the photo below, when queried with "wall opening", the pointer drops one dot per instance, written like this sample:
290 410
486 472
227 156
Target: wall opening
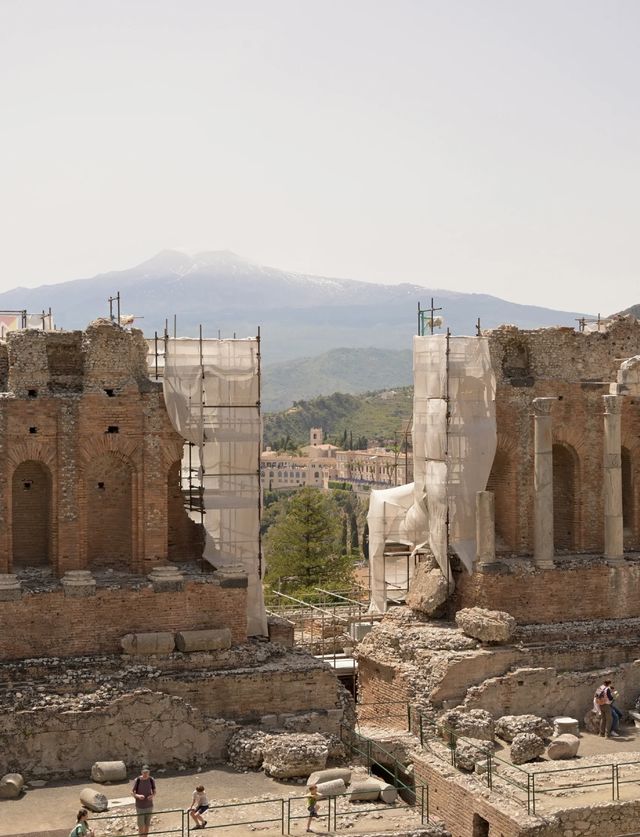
502 482
109 515
565 494
480 826
31 515
185 537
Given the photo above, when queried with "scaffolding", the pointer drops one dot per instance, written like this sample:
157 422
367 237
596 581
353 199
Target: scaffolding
212 393
19 318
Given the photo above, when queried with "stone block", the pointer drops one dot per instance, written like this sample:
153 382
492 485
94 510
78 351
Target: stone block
469 751
526 746
93 800
329 774
486 625
109 771
166 579
156 642
429 590
473 723
334 787
509 726
366 790
563 747
214 639
11 786
78 584
291 755
565 726
10 588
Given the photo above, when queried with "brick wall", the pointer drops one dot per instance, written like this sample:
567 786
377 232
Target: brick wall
53 625
84 409
577 368
583 590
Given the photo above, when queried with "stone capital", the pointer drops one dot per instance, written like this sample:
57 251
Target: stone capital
542 406
612 404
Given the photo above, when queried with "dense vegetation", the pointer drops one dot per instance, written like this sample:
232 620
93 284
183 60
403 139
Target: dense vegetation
375 417
311 540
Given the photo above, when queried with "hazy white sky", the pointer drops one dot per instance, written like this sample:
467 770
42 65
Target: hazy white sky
485 145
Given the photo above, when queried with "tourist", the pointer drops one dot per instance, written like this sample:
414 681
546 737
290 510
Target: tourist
616 714
602 701
312 804
143 790
199 804
81 828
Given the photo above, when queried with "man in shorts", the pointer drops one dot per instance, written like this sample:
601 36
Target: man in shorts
143 790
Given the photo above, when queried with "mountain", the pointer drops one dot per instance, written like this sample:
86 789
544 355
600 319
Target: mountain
299 315
339 370
378 416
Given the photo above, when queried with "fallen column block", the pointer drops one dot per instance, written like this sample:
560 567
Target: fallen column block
336 787
11 786
329 774
94 800
367 790
215 639
109 771
158 642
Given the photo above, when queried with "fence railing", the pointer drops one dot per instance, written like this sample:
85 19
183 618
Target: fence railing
530 784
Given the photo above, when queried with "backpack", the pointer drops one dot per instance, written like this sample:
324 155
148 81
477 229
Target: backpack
601 696
135 790
74 831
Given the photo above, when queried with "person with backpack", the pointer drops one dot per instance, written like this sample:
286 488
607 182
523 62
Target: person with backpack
143 790
81 828
602 701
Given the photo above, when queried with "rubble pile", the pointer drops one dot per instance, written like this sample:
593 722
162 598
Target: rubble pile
508 726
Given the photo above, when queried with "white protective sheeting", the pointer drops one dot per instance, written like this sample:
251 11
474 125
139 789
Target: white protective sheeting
454 444
211 389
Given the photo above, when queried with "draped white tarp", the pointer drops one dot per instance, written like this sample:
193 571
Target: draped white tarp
454 443
211 389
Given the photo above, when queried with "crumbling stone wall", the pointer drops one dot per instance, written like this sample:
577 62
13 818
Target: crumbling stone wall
81 406
577 368
144 725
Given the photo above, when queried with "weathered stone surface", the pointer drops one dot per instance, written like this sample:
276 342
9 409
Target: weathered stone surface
469 751
245 749
11 786
509 726
429 590
329 775
334 787
563 747
93 800
475 723
486 625
290 755
564 725
215 639
109 771
364 790
592 721
526 746
156 642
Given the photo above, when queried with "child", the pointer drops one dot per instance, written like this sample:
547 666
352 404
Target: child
199 804
81 827
312 804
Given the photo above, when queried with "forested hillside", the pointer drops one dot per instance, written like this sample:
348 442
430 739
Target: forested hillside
376 416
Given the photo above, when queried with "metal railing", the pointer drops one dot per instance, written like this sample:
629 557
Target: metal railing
530 784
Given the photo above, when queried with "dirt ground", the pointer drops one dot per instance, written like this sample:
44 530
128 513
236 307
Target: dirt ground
50 811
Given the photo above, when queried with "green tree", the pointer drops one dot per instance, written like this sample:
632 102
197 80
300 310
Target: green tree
302 548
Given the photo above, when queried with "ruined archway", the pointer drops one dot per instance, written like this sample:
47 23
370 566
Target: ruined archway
31 514
565 495
502 482
108 486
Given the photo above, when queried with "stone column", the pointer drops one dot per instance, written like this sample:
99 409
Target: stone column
612 464
485 528
543 483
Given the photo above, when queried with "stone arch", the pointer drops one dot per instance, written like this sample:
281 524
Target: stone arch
502 481
31 515
566 493
110 518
